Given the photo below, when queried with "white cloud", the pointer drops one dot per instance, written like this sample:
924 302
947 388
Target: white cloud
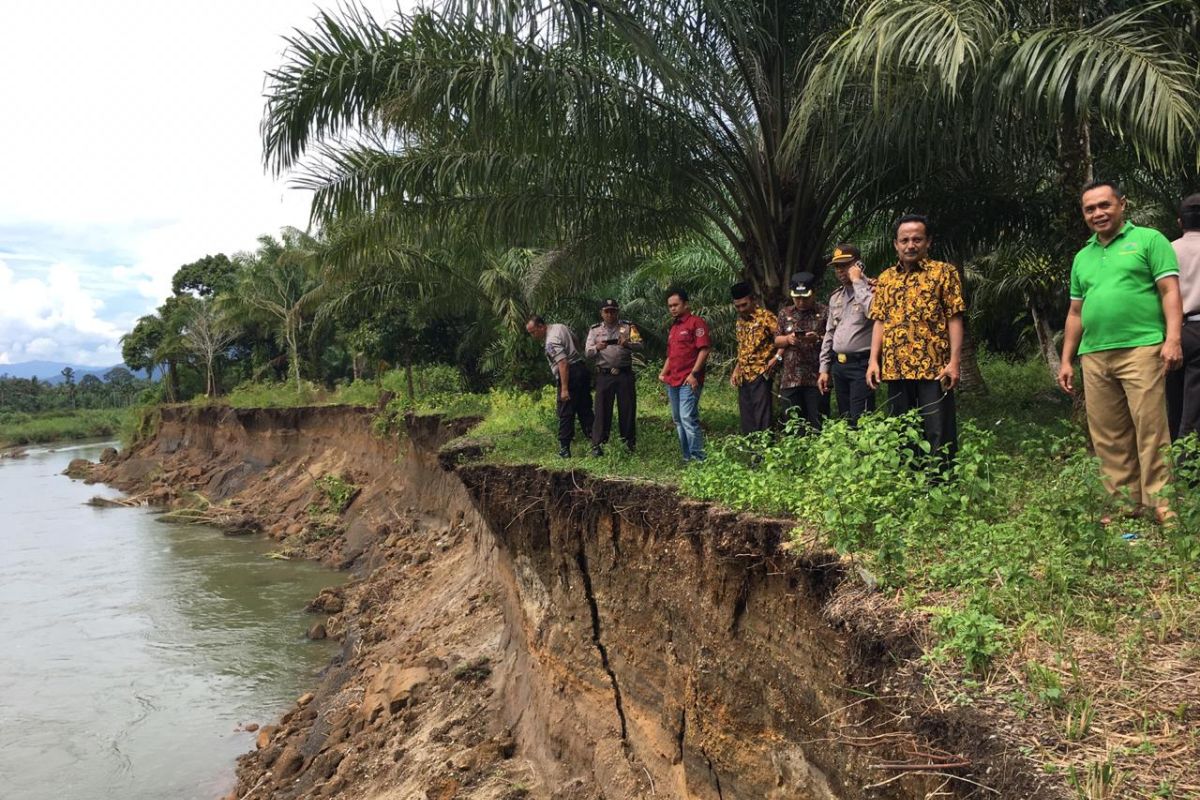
132 130
53 318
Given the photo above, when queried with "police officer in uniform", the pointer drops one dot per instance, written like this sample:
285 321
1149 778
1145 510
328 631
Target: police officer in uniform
611 343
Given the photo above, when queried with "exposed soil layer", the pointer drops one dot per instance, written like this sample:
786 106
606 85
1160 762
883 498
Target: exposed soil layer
513 632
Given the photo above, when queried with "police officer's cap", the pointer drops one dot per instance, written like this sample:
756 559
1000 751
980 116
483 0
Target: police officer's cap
844 253
609 303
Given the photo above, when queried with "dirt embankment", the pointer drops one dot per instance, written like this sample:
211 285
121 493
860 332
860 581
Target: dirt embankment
510 632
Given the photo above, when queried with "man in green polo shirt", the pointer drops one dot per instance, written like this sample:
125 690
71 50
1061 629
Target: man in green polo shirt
1125 322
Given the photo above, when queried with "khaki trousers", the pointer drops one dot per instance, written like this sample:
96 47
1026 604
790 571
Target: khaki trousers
1127 417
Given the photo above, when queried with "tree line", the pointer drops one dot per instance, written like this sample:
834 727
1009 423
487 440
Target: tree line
117 388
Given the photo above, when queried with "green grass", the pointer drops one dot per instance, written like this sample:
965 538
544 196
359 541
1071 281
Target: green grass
522 428
18 428
436 386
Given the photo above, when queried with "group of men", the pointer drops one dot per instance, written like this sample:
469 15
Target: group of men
1134 319
904 329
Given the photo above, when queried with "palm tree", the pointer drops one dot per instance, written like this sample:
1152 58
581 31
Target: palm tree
1010 107
1018 73
598 132
278 284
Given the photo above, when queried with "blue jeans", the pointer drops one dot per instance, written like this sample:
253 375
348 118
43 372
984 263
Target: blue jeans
685 410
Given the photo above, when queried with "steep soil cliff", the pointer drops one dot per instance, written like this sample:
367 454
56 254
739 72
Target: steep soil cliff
513 632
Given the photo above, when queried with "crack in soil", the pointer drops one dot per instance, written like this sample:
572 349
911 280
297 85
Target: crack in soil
581 560
716 777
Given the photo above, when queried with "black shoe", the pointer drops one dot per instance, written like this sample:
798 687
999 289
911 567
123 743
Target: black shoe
597 451
564 451
630 447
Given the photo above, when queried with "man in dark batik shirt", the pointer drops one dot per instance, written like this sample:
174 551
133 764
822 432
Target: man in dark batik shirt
801 329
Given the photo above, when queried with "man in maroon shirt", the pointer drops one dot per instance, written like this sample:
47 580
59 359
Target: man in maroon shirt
683 372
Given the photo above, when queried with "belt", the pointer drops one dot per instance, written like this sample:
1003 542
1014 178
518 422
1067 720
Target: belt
1191 317
843 358
612 370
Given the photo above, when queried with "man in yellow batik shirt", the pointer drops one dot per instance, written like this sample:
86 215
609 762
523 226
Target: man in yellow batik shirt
916 344
756 359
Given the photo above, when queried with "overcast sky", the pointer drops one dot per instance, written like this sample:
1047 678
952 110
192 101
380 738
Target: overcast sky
129 145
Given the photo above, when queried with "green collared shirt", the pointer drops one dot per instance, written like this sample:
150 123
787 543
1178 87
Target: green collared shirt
1117 283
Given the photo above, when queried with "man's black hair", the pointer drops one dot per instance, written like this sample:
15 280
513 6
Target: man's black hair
1189 212
921 218
1116 187
739 290
681 293
536 319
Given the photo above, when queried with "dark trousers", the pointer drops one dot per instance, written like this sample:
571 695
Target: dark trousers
754 404
579 384
808 404
937 414
1183 386
854 397
622 388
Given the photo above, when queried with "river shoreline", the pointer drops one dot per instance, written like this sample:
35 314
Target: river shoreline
60 428
140 648
503 633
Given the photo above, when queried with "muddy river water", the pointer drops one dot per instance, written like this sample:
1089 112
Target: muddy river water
131 650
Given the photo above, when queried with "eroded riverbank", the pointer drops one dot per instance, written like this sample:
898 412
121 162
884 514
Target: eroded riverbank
513 632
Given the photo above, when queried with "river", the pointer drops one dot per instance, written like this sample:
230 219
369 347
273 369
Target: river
130 650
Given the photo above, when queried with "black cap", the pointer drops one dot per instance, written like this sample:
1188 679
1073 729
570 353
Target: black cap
802 284
609 303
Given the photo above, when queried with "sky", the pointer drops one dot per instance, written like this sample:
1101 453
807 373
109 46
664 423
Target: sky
129 145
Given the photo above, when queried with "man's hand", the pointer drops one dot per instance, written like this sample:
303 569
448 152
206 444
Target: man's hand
601 344
949 376
692 381
564 394
823 383
855 273
733 376
1066 377
873 376
662 376
1172 355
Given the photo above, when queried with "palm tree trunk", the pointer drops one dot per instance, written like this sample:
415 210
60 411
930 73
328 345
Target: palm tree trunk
408 377
294 359
970 378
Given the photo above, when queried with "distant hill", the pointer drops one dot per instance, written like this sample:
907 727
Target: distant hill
50 371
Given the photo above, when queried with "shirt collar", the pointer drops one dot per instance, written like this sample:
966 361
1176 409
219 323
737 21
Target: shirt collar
1126 226
920 265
